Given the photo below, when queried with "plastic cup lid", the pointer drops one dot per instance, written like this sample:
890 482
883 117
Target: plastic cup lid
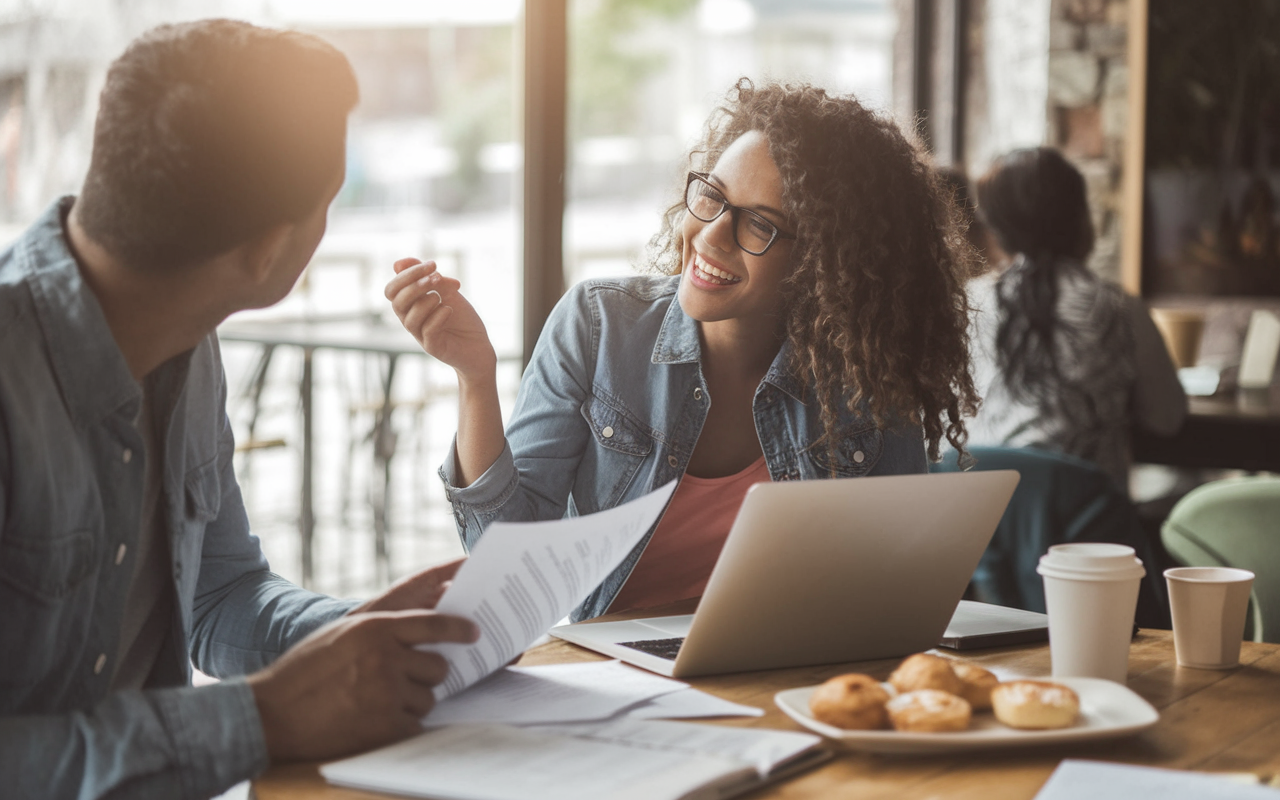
1091 561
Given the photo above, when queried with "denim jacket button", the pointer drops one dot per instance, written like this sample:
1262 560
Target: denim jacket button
99 664
859 457
672 461
120 551
607 432
126 456
697 393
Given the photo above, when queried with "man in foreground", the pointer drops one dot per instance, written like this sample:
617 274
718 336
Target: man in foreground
125 552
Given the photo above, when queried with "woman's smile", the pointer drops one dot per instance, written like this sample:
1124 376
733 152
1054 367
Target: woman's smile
703 271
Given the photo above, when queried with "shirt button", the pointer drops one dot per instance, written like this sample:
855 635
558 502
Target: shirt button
120 551
99 664
858 457
697 393
672 461
607 432
126 456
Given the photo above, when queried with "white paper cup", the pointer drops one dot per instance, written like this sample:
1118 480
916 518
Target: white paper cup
1091 593
1208 606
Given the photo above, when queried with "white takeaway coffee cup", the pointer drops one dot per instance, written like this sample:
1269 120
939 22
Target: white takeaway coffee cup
1090 594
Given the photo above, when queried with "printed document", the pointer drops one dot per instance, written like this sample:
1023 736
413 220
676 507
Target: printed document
524 577
595 690
554 693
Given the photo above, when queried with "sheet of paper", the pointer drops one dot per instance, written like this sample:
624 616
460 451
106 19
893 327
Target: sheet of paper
763 748
500 762
690 704
553 693
524 577
1098 780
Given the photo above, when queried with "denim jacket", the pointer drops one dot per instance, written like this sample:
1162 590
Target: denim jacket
610 408
71 485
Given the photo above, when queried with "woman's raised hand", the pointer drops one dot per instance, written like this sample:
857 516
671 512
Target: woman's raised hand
440 318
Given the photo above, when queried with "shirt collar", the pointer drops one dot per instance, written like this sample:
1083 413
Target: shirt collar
92 373
678 343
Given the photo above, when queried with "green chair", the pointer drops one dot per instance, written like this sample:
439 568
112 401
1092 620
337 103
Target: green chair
1060 499
1234 523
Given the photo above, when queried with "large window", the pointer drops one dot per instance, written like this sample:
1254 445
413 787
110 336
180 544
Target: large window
434 171
644 75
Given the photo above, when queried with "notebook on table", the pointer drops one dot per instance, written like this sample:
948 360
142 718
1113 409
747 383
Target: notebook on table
822 572
623 760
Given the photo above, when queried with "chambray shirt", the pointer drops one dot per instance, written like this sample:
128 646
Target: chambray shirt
610 408
71 484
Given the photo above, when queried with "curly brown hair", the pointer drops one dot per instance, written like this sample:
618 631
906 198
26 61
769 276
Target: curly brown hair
874 307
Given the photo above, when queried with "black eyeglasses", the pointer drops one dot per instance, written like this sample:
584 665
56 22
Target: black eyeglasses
752 232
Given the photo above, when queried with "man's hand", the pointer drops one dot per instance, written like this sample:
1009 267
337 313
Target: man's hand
422 590
355 684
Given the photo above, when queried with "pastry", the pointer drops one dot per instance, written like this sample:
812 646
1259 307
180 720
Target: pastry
852 701
976 684
929 711
924 671
1035 704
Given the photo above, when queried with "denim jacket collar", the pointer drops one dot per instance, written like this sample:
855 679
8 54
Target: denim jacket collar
91 371
678 343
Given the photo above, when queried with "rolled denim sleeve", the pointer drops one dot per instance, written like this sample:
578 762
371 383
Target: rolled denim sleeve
244 616
547 435
166 744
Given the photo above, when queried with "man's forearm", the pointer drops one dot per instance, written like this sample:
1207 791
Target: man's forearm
166 743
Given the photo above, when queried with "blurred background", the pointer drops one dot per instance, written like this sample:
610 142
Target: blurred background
527 146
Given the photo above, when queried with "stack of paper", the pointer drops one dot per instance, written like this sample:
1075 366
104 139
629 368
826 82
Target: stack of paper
576 693
1102 781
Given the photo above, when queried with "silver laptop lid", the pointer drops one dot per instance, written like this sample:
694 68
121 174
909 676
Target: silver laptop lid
849 569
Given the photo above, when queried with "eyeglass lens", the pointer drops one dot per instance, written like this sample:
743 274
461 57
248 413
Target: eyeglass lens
751 231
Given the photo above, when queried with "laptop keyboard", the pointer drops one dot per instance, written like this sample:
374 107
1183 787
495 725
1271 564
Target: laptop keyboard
662 648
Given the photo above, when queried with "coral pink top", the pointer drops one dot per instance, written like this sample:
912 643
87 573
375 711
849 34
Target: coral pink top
684 548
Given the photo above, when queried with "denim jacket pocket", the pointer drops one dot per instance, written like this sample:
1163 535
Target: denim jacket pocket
854 455
614 430
622 444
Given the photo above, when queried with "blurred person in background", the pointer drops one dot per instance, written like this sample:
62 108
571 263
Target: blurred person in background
125 552
808 322
1063 359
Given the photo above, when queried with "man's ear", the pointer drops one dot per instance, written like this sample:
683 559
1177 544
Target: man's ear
261 253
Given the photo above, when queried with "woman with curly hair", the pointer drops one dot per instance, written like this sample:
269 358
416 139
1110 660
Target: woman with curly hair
811 323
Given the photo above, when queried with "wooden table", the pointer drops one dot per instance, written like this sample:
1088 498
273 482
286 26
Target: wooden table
1225 721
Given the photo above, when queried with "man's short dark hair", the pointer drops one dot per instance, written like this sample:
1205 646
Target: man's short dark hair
210 133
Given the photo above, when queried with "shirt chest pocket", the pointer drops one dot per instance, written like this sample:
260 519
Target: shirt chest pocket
46 592
855 453
620 447
202 500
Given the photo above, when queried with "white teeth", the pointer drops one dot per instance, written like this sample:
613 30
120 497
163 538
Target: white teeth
708 271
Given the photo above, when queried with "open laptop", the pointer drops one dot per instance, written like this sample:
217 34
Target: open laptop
824 571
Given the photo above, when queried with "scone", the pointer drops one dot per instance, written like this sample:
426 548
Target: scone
1035 704
929 711
852 701
924 671
976 684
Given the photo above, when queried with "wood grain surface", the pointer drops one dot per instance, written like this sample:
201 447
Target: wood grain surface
1218 721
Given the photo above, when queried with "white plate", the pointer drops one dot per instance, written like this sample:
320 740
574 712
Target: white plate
1107 710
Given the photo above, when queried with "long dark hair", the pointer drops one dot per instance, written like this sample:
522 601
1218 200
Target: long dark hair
1035 204
875 308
